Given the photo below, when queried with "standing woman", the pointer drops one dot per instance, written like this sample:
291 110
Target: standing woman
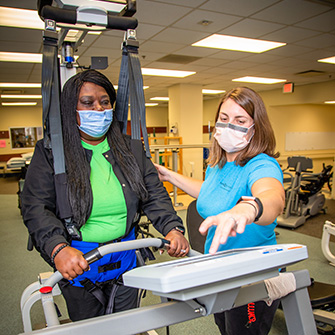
242 193
110 181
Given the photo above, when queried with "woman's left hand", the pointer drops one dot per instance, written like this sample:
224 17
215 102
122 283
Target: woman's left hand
228 223
179 246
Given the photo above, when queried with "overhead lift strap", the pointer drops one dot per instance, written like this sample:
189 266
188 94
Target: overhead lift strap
131 83
53 137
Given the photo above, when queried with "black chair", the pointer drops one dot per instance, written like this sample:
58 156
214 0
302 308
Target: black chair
193 221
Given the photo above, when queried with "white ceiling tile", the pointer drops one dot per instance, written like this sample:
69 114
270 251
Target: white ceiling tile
324 22
12 46
159 13
174 35
237 7
321 41
291 12
188 3
218 21
196 51
290 50
251 28
145 31
290 34
162 47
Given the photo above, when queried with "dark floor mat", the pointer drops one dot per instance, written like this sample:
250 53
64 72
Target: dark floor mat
314 225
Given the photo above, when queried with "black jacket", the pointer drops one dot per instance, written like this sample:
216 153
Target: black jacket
39 206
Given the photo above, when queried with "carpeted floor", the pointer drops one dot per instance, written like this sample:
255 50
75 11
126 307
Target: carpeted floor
9 184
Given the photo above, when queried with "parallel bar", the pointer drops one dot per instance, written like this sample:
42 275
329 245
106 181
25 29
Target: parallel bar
125 323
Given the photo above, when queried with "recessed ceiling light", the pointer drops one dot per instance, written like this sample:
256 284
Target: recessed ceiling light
116 87
330 60
20 57
24 85
235 43
151 104
24 57
20 18
21 96
19 103
160 98
330 102
208 91
259 80
166 73
205 23
29 19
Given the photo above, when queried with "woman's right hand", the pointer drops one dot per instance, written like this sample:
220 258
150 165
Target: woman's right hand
163 172
70 263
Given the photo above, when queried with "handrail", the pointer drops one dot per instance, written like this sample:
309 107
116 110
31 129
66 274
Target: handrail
178 146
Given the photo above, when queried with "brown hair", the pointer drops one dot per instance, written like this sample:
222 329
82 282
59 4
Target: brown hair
263 140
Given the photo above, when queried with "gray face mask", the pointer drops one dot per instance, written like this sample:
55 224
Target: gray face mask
232 138
95 123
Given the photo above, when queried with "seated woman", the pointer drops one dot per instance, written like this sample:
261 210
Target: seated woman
110 181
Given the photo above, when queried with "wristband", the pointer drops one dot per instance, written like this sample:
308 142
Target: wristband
57 252
179 229
257 201
251 204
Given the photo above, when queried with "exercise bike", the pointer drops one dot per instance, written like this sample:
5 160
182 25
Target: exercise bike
304 197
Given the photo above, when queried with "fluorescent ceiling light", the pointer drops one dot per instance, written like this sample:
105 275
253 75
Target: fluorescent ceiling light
259 80
20 96
166 73
29 19
19 103
20 57
24 85
20 18
151 104
24 57
116 87
330 102
330 60
208 91
160 98
235 43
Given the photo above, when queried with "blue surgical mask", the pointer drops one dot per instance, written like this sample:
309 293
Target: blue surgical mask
95 123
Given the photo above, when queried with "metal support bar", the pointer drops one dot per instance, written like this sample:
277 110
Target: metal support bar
175 169
157 156
142 319
297 307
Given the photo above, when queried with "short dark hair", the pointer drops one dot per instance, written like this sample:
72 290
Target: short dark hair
263 140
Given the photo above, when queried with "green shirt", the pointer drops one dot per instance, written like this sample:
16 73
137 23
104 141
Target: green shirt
109 211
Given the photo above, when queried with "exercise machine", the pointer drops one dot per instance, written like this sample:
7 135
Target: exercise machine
190 288
322 295
303 196
328 230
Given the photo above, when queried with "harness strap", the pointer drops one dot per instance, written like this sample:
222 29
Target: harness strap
52 125
111 302
95 290
109 267
131 84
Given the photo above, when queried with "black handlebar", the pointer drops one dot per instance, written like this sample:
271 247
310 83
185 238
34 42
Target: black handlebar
63 15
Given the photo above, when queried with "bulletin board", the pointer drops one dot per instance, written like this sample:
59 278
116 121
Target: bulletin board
309 141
